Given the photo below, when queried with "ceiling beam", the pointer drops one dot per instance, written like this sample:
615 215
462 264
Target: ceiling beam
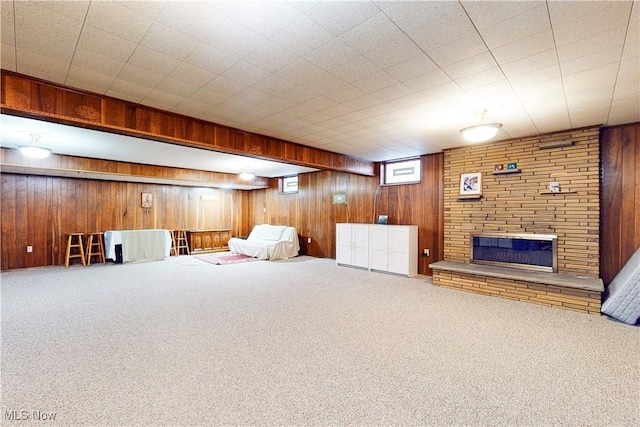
30 97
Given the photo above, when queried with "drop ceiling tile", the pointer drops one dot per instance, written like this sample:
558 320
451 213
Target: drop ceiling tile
375 82
34 17
355 70
389 93
463 48
278 16
176 87
128 91
88 79
150 9
631 50
377 110
443 90
44 45
118 20
594 60
90 60
485 14
234 39
274 84
245 73
531 63
337 111
304 6
106 44
406 101
210 59
140 76
430 79
208 97
152 61
270 57
550 72
300 71
372 33
319 103
275 105
191 74
298 95
362 102
482 78
524 47
314 119
296 112
474 65
168 41
44 67
601 42
524 25
412 68
8 61
303 36
162 100
252 96
394 53
332 54
323 83
410 16
344 93
195 20
192 108
225 86
338 17
445 30
7 19
572 24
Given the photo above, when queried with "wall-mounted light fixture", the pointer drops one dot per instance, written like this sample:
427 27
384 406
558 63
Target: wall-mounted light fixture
34 150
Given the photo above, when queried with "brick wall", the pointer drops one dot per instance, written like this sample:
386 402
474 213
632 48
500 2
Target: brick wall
513 203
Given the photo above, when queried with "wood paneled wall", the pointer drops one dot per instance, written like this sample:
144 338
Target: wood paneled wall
314 215
620 198
42 211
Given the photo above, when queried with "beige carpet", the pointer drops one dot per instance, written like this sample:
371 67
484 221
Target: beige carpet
300 342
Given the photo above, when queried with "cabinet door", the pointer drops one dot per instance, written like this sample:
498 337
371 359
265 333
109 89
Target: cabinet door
343 244
403 250
360 245
378 247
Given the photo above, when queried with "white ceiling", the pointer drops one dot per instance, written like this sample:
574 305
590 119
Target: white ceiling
376 80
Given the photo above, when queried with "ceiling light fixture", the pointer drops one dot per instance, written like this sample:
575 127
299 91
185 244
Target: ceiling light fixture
34 150
482 132
247 175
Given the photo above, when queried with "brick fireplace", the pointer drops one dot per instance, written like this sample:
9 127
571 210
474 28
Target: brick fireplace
517 199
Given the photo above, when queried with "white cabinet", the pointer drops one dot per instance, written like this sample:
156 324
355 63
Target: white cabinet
388 248
352 244
394 249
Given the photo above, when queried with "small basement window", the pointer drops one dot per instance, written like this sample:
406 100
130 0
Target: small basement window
401 172
288 184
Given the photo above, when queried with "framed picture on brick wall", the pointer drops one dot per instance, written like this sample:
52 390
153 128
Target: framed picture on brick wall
471 184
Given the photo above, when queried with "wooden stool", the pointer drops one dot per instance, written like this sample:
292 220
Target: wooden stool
180 242
95 247
75 241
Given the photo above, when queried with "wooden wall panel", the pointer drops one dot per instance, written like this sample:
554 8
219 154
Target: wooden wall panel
24 95
314 215
620 196
42 211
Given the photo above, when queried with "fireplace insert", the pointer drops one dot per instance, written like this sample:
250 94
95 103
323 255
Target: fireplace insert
516 250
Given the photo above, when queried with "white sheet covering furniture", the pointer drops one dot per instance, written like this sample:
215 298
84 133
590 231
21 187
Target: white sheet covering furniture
138 245
623 302
268 242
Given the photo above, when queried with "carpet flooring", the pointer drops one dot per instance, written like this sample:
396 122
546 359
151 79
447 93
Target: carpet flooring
300 342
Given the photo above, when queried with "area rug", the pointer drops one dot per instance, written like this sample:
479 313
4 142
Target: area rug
225 258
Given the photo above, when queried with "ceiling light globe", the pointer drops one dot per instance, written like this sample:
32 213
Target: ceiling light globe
481 133
34 152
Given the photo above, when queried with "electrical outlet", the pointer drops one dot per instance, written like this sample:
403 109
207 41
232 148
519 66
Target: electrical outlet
29 249
425 252
264 210
309 240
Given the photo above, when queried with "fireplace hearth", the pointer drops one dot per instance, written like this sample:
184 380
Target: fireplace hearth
522 250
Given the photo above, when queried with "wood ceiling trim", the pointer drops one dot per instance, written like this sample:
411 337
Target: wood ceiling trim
30 97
